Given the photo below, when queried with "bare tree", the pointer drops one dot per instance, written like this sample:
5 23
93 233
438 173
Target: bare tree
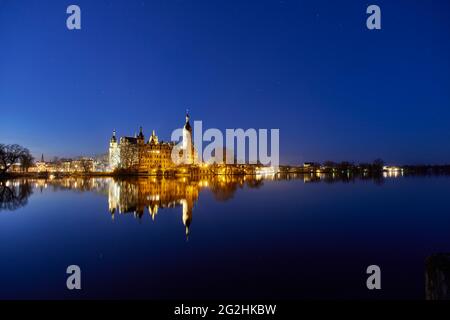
129 157
86 165
378 164
26 161
10 154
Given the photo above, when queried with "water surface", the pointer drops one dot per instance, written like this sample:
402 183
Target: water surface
296 237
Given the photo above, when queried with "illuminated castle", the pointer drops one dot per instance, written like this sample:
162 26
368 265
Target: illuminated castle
153 156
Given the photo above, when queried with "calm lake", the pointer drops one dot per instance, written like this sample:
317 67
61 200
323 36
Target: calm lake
292 237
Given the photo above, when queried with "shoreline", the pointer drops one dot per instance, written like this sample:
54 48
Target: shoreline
421 170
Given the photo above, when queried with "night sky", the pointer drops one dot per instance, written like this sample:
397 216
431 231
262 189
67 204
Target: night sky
336 90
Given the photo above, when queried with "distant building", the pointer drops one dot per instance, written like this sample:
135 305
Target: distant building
16 167
40 166
392 168
308 164
65 165
81 165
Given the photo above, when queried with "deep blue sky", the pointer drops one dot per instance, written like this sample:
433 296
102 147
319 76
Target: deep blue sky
311 68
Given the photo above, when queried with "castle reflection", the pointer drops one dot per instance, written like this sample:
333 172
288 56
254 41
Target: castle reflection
138 196
151 195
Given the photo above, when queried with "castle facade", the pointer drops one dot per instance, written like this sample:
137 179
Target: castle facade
151 156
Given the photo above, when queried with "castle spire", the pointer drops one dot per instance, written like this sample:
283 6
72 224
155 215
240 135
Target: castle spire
187 125
113 138
141 134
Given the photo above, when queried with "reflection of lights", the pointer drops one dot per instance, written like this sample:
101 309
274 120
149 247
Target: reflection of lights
203 183
392 172
265 171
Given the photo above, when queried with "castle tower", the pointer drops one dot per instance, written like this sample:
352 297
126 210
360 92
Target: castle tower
140 137
188 146
114 152
113 138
